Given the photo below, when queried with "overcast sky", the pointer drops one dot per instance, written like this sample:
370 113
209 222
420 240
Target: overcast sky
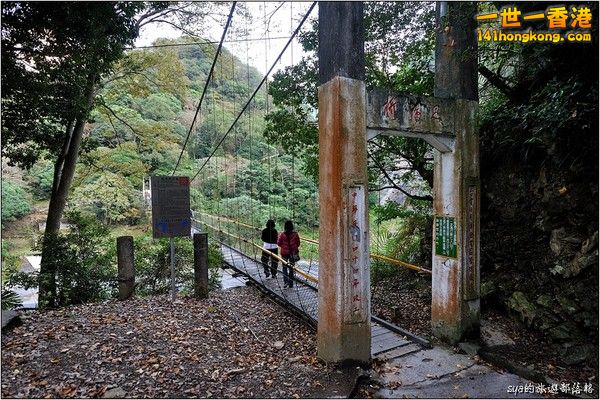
284 20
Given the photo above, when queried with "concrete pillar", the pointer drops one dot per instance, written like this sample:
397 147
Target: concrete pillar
126 267
455 281
344 329
201 265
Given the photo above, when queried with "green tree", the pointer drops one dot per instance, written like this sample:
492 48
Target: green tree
39 179
110 197
399 55
139 121
123 160
54 55
54 58
84 258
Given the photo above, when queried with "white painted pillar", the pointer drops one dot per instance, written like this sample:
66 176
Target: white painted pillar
455 264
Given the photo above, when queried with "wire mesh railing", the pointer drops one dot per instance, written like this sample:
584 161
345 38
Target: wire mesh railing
253 230
242 253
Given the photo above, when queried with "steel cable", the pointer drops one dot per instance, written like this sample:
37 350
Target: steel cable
208 78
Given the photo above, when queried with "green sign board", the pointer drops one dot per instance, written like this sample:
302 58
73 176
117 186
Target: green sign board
445 236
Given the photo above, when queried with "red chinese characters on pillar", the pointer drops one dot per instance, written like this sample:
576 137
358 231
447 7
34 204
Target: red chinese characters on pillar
354 257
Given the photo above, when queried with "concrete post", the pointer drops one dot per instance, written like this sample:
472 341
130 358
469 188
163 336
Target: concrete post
455 281
201 265
126 267
344 329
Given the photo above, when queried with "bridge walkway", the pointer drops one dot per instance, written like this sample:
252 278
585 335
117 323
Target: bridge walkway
303 299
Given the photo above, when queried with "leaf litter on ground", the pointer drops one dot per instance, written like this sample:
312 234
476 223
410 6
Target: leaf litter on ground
220 347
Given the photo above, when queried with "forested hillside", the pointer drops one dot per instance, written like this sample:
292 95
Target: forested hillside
142 117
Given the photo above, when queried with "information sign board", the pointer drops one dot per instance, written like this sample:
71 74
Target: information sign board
170 206
445 236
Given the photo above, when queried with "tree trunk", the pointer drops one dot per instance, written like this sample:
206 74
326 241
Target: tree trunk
64 170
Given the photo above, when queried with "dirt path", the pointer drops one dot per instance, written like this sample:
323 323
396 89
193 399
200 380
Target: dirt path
227 346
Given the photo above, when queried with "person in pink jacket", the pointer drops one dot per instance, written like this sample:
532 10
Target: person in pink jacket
289 241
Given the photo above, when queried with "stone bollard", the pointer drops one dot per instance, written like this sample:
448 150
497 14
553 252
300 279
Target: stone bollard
126 267
201 265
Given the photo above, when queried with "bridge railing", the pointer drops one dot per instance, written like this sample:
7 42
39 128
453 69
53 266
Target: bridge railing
250 248
375 256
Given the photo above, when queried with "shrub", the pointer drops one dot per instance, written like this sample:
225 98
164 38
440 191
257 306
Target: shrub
215 261
40 178
86 270
10 300
10 262
399 230
110 197
14 201
153 265
83 261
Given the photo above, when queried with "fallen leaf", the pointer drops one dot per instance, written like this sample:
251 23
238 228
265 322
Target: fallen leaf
235 371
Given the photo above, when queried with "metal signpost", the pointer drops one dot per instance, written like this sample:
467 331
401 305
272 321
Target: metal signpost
170 212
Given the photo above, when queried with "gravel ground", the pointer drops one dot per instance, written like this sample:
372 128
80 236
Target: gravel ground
227 346
404 299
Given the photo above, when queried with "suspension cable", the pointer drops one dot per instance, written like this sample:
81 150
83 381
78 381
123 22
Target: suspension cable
293 155
266 109
258 87
212 67
154 46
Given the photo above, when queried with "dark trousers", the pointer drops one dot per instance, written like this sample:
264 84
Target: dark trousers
288 272
265 262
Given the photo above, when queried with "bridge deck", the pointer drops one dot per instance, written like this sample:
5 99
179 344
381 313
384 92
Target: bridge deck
303 297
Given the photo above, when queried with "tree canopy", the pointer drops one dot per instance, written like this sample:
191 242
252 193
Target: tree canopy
398 50
54 56
52 53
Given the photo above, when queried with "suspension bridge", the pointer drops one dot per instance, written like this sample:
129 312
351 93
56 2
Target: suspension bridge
332 289
243 255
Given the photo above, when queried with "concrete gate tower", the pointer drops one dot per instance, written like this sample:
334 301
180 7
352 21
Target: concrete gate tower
348 116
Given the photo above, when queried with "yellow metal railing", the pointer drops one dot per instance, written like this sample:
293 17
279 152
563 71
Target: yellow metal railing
309 277
376 256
